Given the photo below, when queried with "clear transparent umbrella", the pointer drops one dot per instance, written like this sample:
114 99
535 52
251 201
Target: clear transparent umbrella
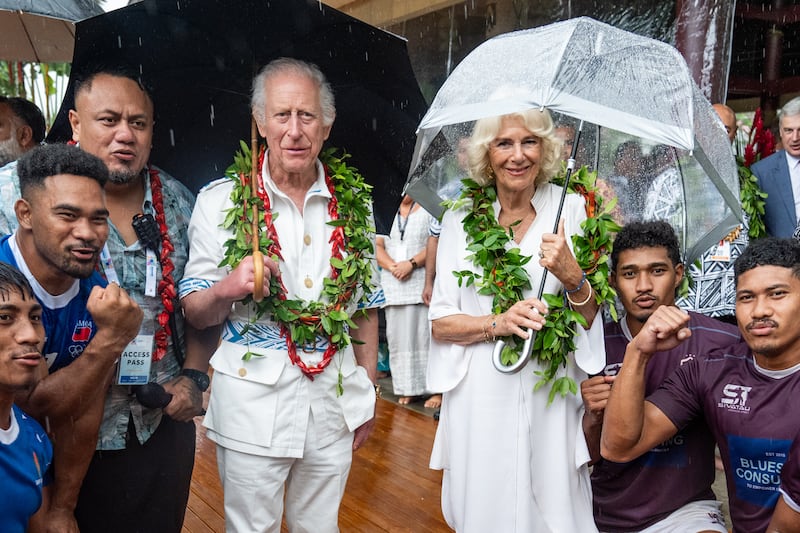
628 88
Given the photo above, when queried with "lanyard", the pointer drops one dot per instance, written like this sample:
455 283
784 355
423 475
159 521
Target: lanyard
403 222
151 270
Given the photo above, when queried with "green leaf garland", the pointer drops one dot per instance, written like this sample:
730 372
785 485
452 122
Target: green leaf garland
350 282
504 278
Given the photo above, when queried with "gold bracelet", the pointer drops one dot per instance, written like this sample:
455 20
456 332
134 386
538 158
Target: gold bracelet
578 304
485 332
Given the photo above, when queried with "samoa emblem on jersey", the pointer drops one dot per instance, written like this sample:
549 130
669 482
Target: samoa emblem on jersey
82 331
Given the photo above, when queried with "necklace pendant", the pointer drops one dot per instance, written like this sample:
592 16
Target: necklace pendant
308 283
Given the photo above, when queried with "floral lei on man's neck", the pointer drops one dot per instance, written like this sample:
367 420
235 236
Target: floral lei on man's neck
166 286
505 279
301 322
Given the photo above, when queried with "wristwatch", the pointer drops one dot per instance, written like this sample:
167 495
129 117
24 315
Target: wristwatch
200 379
413 262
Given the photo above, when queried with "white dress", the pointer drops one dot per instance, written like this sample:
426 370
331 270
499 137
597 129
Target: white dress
407 326
511 462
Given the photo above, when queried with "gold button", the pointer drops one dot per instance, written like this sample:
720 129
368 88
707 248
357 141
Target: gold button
307 239
242 372
309 283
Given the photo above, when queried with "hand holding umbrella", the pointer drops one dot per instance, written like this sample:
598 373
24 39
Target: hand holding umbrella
527 348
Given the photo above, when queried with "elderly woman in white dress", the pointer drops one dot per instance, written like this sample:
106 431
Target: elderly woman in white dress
511 462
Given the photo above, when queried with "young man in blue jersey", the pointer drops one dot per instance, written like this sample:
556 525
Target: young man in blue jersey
748 402
63 225
25 450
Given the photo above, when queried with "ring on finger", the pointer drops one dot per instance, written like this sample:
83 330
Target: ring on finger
541 254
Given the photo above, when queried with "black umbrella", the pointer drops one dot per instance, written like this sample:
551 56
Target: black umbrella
200 57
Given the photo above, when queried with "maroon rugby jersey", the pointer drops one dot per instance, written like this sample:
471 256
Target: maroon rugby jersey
753 415
632 496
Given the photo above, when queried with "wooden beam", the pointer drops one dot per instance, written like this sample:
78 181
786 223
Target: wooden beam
383 13
779 16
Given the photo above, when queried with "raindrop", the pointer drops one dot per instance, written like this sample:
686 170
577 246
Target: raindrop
366 55
119 41
211 116
374 123
140 40
172 137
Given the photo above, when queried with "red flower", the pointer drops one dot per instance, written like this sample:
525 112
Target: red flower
760 143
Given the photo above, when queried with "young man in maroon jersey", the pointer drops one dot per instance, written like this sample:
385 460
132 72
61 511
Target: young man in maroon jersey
748 402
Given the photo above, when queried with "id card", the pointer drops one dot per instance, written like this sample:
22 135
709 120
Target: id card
722 251
151 273
134 363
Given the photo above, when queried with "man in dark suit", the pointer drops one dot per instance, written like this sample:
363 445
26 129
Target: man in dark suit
779 175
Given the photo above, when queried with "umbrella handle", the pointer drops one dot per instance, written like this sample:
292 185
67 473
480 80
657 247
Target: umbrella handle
524 357
258 261
527 348
258 257
258 276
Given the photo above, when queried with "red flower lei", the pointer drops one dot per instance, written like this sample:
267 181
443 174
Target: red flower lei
274 250
166 286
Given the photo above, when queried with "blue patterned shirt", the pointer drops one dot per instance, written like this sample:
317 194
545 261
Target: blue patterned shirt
9 194
129 264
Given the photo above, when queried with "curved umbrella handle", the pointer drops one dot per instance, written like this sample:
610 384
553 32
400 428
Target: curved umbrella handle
524 357
527 348
258 276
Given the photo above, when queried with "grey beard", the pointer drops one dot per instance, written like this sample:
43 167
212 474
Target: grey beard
119 177
10 150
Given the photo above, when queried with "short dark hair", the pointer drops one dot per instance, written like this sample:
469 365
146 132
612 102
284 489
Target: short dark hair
27 112
12 280
83 82
769 251
650 234
53 159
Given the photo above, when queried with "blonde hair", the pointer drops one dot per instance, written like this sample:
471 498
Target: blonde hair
538 122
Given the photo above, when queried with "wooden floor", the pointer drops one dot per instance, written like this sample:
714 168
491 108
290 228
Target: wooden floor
390 487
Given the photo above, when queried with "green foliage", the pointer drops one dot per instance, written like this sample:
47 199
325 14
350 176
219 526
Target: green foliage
504 278
350 282
41 83
753 201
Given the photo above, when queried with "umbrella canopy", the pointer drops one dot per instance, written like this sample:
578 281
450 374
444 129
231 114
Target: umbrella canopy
200 56
41 31
625 85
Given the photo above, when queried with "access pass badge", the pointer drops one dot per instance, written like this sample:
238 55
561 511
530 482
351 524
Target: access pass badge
134 364
722 251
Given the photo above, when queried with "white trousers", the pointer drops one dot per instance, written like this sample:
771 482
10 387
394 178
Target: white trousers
255 488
